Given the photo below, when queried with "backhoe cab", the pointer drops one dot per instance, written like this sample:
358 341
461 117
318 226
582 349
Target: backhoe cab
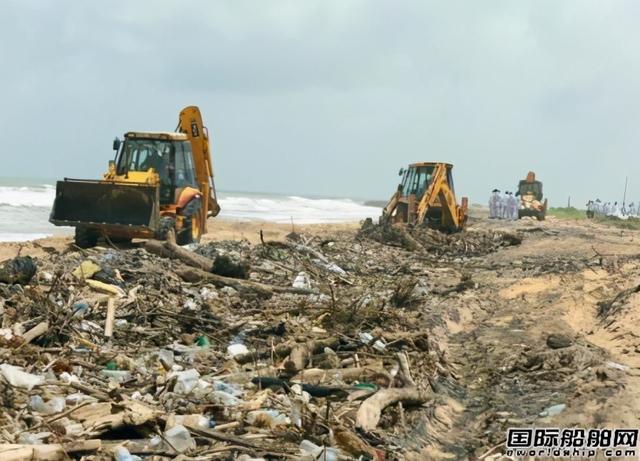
531 204
426 196
158 182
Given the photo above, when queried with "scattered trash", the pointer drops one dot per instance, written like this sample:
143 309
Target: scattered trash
18 378
86 270
316 350
310 451
55 405
553 410
617 366
186 381
237 349
122 454
180 438
18 270
302 281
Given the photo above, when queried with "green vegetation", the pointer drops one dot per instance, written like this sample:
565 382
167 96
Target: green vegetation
631 223
574 213
567 213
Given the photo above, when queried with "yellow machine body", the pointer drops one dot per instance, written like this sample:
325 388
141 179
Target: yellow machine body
157 182
426 196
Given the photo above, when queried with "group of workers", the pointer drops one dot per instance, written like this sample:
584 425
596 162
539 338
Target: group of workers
624 211
503 206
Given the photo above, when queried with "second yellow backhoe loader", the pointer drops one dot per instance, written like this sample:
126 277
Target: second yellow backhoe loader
426 196
159 181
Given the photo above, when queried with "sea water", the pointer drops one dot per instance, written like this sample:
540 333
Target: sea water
25 205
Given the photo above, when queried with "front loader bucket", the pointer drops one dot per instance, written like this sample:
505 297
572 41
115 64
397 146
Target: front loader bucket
113 205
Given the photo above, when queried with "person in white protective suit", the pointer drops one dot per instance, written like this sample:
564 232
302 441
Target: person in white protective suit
513 207
494 203
606 209
504 205
615 210
632 209
598 207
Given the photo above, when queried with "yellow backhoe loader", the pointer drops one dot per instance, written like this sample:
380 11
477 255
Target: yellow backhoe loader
426 196
158 181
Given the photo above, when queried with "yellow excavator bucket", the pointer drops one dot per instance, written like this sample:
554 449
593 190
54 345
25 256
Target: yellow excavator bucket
116 205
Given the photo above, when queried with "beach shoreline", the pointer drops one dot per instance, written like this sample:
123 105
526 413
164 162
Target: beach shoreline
217 229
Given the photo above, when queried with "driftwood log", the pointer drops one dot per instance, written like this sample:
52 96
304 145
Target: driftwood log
47 452
283 350
370 411
171 250
369 373
194 275
201 266
36 331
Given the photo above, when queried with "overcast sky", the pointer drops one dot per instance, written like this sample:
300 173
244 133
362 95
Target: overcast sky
333 97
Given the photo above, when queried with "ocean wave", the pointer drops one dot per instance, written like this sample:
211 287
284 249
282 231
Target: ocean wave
299 209
24 210
19 237
28 196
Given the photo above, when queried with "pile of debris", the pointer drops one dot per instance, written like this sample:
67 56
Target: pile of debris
285 350
472 243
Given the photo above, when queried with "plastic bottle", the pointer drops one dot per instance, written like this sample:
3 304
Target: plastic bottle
237 349
366 338
116 375
187 381
203 341
180 438
228 388
55 405
309 450
122 454
18 378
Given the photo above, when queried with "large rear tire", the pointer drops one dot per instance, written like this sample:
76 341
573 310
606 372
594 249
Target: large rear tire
86 237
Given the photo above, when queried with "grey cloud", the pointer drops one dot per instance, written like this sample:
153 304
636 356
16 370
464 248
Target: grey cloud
331 97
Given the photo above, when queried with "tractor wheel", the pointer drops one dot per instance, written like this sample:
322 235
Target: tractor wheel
86 237
191 232
166 224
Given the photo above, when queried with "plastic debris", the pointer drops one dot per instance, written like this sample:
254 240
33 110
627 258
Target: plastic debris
180 438
310 451
553 410
237 349
86 270
122 454
186 382
55 405
18 378
302 280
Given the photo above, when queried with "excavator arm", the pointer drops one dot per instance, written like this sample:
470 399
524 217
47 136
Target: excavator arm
439 194
388 210
190 123
426 196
